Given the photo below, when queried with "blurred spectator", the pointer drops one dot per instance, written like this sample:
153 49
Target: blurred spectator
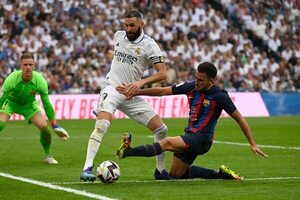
255 44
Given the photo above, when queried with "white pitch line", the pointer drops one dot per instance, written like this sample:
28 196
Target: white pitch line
260 145
56 187
247 144
272 178
151 136
179 180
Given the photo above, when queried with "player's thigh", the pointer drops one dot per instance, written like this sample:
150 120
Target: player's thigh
109 100
197 142
39 121
187 156
178 167
139 110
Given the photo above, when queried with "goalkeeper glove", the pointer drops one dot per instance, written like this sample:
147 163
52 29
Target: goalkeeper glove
59 131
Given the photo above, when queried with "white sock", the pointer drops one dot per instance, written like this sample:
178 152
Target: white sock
101 128
160 134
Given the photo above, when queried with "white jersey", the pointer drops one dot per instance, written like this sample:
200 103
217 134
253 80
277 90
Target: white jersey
131 58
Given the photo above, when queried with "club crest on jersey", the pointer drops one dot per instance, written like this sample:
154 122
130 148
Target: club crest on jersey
138 51
32 92
206 102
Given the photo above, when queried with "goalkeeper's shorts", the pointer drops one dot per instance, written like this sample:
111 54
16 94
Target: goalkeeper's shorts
26 110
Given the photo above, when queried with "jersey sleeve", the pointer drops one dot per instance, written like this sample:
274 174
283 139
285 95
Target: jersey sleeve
117 35
154 53
6 87
114 38
43 91
228 105
3 97
183 88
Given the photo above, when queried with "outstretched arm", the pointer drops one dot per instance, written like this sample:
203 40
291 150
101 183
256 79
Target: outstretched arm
159 76
156 91
58 130
48 107
61 132
246 130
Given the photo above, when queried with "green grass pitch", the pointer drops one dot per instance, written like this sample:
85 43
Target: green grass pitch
277 177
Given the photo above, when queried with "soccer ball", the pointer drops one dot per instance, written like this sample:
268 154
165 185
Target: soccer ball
108 171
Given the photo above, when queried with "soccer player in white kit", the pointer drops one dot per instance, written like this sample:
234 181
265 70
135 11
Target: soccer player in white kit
133 52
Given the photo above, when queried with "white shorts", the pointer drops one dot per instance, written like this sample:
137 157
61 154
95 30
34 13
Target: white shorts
136 108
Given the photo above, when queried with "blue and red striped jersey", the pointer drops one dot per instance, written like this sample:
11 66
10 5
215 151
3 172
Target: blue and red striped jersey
205 106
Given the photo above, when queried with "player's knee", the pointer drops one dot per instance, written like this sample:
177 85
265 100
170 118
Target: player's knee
166 144
102 125
42 126
2 125
100 130
161 132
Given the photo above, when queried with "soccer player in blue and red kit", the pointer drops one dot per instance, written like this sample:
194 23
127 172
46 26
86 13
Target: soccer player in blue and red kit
206 102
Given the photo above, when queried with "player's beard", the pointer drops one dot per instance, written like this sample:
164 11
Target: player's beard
135 35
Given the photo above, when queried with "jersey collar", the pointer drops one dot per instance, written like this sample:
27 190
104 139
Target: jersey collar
211 90
20 79
137 40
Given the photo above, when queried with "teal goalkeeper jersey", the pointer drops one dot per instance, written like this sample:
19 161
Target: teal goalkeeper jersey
16 91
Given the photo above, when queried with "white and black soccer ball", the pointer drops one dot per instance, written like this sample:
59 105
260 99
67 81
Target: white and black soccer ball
108 171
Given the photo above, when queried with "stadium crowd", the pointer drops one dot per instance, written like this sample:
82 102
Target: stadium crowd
254 44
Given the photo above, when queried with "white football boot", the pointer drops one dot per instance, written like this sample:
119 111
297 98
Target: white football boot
50 160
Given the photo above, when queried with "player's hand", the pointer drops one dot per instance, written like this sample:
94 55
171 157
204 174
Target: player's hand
59 131
256 150
131 89
121 89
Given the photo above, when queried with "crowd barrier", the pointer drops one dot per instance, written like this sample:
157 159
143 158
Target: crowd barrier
249 104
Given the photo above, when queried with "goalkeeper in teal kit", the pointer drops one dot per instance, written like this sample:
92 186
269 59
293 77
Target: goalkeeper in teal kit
18 96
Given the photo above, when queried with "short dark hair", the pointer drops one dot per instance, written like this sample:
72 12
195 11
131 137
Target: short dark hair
134 13
208 68
27 55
